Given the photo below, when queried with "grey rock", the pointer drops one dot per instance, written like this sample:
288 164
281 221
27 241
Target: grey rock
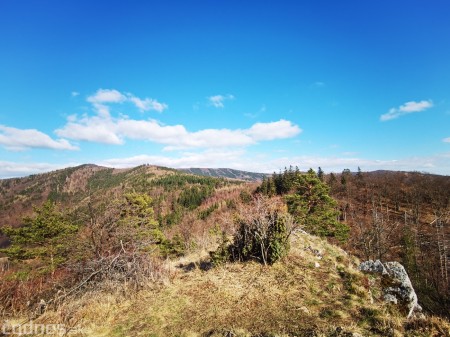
397 284
317 253
372 267
390 298
397 287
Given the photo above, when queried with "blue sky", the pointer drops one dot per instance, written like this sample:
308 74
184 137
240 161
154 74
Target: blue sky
252 85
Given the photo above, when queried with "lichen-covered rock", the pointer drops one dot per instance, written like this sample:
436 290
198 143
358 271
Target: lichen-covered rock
397 284
397 287
372 267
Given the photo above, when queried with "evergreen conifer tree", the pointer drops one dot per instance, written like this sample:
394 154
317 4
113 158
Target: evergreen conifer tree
313 207
43 236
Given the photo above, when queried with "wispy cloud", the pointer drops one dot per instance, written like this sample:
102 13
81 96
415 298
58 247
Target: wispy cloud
10 169
318 84
103 97
407 108
218 100
14 139
147 104
349 153
262 110
446 140
74 93
208 158
107 96
250 115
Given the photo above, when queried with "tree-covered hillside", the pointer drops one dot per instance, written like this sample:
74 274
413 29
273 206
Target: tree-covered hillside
391 216
154 251
226 173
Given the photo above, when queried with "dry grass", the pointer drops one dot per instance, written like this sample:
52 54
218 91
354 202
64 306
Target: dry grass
294 297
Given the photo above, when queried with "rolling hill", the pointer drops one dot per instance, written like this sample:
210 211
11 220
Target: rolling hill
103 286
226 173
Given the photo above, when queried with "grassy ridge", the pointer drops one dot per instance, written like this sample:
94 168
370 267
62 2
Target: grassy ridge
315 291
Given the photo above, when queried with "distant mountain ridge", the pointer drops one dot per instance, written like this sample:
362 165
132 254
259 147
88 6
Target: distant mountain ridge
226 173
73 186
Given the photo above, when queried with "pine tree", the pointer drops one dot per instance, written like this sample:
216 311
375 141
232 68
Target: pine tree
263 187
271 187
345 176
43 236
320 174
313 207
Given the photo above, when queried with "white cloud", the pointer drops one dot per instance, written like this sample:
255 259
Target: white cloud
407 108
211 138
103 97
446 140
147 104
22 139
218 100
107 96
188 159
10 169
111 130
104 128
91 129
75 93
149 130
13 169
274 130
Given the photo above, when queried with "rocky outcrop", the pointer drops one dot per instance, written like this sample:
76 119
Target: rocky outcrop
373 267
397 287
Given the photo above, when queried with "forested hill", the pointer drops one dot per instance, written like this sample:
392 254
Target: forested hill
393 216
89 246
73 187
226 173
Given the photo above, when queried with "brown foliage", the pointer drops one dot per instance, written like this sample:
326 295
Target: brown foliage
404 217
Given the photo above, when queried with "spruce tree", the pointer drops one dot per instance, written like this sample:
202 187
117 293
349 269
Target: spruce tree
320 173
44 236
313 207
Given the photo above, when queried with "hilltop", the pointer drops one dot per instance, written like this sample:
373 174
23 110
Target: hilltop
226 173
71 187
316 290
146 251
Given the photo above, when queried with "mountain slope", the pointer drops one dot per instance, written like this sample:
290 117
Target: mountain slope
68 186
139 263
315 291
75 188
226 173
